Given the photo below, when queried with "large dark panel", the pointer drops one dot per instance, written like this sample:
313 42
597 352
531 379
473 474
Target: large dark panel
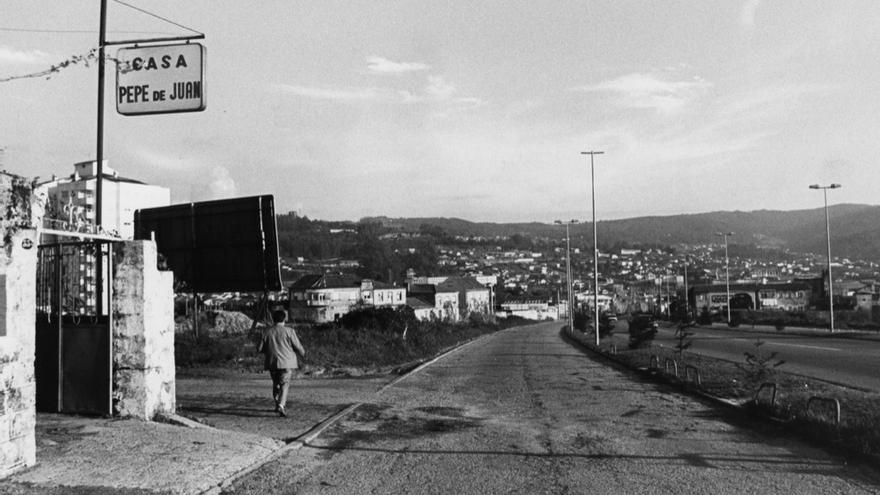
228 245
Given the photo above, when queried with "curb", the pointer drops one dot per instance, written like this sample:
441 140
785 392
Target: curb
655 375
178 420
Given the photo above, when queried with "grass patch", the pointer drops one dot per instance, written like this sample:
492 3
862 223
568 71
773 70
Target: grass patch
859 428
369 339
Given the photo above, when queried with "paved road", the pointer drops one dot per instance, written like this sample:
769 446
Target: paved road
525 412
839 359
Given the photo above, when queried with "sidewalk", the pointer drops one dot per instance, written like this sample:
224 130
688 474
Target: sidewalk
236 429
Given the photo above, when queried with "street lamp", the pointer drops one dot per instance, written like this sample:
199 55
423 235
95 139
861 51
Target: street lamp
687 312
828 239
726 270
568 268
595 246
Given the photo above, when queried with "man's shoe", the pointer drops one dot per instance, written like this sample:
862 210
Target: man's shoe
281 412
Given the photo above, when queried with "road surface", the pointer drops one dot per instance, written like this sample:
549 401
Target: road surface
522 411
840 359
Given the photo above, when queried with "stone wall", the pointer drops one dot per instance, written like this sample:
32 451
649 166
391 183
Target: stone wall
18 265
143 333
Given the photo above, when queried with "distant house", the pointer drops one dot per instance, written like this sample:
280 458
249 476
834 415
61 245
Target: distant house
530 309
789 296
423 310
326 298
452 298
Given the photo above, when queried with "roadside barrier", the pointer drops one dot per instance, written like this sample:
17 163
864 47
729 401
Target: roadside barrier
772 387
693 370
674 365
835 408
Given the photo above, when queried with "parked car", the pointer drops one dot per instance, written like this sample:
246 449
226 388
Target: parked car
607 322
642 329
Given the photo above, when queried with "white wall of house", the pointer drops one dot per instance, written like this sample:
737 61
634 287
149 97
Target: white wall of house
446 305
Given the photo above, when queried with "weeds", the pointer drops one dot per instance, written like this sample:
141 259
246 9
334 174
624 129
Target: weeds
759 365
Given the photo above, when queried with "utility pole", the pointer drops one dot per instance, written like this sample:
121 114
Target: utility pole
828 239
726 270
568 270
99 164
687 301
595 245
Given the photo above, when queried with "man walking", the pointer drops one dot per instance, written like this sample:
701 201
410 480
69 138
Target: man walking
281 347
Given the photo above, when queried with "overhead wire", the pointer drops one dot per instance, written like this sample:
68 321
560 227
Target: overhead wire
91 54
74 31
169 21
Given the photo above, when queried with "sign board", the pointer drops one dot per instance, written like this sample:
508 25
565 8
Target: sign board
160 79
228 245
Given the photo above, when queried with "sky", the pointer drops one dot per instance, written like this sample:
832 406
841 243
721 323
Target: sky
477 110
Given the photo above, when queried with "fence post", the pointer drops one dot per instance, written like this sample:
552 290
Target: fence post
674 365
825 400
772 396
687 374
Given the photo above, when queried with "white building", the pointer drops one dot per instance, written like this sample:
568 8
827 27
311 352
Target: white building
72 203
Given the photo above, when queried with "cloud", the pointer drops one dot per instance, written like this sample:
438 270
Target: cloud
381 65
162 161
438 88
10 55
355 94
439 91
747 15
651 92
222 185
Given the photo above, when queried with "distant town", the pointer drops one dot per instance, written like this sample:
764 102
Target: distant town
330 268
531 283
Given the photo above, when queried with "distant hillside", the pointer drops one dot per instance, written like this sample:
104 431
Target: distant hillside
855 229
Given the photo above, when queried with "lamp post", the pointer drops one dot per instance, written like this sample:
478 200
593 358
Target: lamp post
595 246
687 301
726 270
828 239
568 268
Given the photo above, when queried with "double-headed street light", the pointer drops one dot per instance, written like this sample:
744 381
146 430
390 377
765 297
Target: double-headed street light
828 239
725 235
568 268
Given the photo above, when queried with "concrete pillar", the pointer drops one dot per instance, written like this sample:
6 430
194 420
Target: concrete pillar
143 333
18 267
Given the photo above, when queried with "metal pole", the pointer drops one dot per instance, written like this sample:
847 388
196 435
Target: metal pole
99 161
99 153
568 271
727 277
828 240
687 301
830 279
595 245
568 277
726 271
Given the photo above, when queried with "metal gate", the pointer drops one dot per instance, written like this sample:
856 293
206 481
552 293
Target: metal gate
73 364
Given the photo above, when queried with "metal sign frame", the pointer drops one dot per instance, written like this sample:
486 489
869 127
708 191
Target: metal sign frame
123 67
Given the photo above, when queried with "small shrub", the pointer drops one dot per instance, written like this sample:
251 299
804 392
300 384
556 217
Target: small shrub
705 318
759 365
581 320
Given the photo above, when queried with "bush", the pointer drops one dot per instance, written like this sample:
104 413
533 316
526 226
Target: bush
581 320
385 338
736 318
705 318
